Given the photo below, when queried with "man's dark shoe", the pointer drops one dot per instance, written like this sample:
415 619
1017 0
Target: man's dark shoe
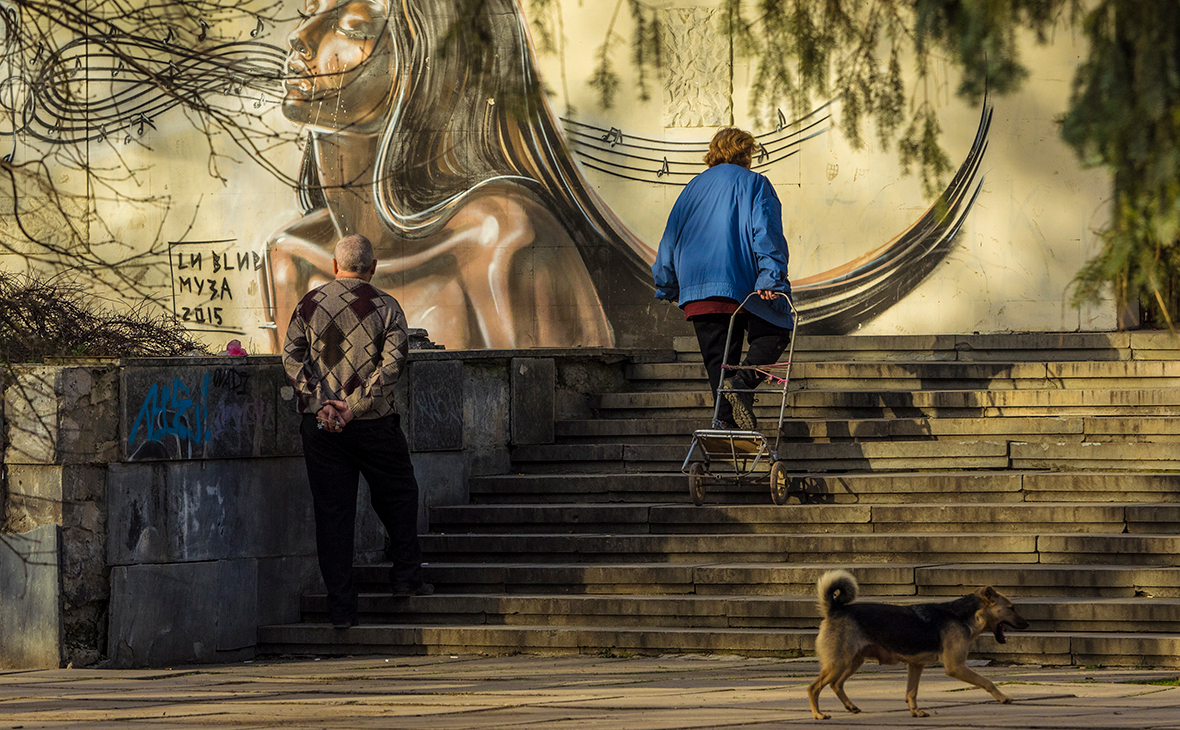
344 623
742 403
407 589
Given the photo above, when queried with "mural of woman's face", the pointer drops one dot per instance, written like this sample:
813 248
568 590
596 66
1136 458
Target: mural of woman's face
339 70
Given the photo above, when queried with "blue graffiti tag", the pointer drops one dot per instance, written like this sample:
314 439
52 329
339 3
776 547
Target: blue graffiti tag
173 412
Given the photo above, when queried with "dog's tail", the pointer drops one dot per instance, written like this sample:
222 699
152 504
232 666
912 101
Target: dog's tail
836 588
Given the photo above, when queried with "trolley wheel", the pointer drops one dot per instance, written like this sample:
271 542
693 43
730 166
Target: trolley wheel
696 483
779 482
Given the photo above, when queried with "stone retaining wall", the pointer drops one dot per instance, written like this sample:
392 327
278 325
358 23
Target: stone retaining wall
156 511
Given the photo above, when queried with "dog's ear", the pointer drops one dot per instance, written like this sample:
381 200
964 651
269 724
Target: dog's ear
988 594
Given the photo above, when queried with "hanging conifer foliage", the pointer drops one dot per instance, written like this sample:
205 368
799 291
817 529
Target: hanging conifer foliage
1124 113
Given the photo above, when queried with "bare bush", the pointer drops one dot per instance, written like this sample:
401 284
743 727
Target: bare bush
42 318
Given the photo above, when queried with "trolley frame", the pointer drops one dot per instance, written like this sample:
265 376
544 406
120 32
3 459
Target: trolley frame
743 450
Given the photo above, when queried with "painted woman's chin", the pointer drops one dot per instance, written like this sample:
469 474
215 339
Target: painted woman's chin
300 109
324 113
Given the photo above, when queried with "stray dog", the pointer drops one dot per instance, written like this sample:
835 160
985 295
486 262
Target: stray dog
917 635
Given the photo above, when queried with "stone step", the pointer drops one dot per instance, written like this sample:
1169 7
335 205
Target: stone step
724 612
641 579
807 519
868 404
838 548
1050 582
1028 428
1010 347
1160 650
802 458
1033 428
322 639
861 456
877 582
1096 455
927 375
882 488
1102 487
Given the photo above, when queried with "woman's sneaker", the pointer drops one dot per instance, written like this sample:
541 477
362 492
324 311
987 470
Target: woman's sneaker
406 589
742 404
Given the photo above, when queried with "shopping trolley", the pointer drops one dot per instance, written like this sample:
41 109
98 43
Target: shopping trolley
722 454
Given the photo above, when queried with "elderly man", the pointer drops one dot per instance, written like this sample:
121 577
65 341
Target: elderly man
346 347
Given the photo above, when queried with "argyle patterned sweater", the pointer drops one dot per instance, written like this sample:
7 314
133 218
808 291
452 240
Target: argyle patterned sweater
347 341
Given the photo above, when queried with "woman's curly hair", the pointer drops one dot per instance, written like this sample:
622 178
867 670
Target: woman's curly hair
731 145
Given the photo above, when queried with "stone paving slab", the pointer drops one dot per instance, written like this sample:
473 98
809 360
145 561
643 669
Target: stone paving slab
569 693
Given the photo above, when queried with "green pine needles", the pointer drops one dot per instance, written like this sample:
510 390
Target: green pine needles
1124 115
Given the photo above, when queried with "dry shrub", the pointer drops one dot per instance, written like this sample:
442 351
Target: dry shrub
42 318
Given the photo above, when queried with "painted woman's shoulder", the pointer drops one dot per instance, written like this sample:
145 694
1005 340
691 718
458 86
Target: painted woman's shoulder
511 213
509 199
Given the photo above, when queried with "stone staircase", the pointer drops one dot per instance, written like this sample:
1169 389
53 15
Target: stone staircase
1044 465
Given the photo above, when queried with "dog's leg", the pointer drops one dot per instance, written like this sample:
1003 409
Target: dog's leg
911 690
838 684
824 678
959 670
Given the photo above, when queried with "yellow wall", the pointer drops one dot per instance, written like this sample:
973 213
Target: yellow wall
1031 228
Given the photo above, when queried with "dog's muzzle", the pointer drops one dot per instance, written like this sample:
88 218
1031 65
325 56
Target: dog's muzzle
999 631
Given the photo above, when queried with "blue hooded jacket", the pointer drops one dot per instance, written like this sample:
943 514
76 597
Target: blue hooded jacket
724 238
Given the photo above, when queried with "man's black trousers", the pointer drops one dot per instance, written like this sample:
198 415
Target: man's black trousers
376 448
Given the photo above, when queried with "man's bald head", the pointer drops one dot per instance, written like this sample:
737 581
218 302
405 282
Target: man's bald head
354 256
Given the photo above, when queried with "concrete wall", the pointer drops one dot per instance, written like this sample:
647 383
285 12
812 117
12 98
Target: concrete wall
62 426
228 246
157 512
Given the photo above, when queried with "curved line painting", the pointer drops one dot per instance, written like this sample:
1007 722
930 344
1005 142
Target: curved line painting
843 298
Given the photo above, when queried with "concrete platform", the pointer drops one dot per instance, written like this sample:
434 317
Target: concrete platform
682 691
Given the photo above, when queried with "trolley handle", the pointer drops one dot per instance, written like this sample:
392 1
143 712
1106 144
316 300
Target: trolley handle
733 318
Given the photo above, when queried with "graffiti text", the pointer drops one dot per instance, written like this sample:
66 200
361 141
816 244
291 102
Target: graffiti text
173 410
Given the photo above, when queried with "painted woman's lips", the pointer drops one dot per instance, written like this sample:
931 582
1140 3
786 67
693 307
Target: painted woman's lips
299 77
302 83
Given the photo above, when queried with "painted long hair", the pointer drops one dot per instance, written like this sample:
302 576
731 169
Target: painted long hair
466 117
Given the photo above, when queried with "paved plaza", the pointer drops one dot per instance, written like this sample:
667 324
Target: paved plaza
582 692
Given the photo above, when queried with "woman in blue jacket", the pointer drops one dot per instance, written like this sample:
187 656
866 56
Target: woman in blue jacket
724 240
